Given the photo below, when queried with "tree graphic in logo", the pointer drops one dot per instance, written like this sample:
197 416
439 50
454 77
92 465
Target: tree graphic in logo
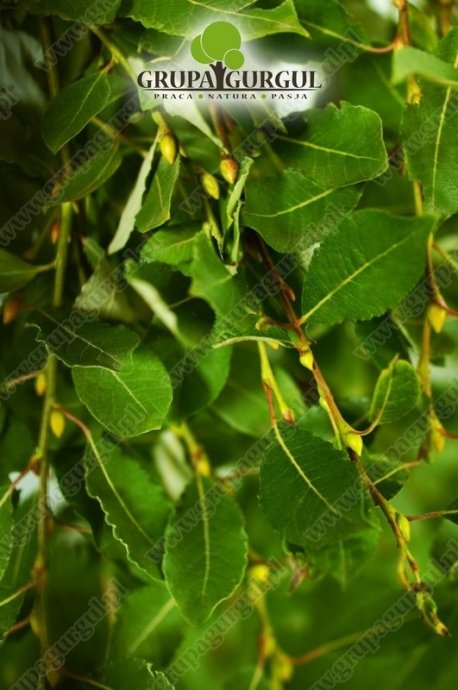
220 44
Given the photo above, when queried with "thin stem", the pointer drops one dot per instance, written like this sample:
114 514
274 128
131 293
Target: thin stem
62 254
114 50
22 590
11 383
327 647
435 514
401 468
118 136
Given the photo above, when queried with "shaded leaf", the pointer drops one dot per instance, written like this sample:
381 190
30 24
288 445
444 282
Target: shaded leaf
126 223
134 505
431 140
15 273
313 495
90 175
204 562
155 210
73 107
128 402
90 344
396 393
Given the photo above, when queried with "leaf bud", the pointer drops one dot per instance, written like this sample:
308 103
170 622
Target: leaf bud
210 185
229 169
354 441
57 423
41 384
436 316
168 146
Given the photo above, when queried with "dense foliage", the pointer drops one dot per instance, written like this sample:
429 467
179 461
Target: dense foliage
228 379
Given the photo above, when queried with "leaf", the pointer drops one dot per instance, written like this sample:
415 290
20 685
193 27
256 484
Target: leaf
430 138
6 524
73 107
242 403
179 17
366 81
396 393
312 494
126 223
329 21
134 505
212 281
90 175
231 204
79 342
204 563
351 274
155 210
85 11
15 273
148 625
127 674
103 292
285 210
173 246
339 146
408 61
128 402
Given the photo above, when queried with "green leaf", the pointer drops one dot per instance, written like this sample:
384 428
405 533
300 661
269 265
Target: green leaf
73 107
85 11
155 210
430 138
285 210
128 402
173 246
329 20
408 61
102 291
231 204
148 625
134 505
312 494
339 146
178 17
15 273
126 223
396 393
212 280
90 175
366 81
85 344
242 403
127 674
204 563
6 524
351 274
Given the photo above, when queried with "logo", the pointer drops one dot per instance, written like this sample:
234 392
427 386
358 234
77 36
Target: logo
229 73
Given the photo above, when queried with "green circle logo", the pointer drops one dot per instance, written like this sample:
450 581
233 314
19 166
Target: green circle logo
220 42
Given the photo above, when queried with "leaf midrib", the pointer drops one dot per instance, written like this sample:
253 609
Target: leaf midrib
355 273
